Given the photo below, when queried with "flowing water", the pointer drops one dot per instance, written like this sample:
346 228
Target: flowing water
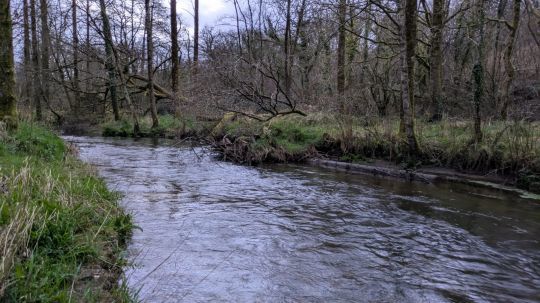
220 232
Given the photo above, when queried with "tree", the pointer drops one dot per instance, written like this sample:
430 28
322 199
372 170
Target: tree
437 27
8 102
342 16
196 37
150 57
36 75
407 59
45 44
174 48
287 49
509 67
76 86
27 49
478 73
110 59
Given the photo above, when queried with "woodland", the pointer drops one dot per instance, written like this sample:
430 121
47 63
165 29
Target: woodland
396 85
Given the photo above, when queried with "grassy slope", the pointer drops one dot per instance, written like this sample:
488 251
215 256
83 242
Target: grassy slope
61 229
511 148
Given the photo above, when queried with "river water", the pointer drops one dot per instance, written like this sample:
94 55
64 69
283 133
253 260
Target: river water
219 232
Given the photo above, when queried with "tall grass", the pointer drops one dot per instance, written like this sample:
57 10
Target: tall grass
61 229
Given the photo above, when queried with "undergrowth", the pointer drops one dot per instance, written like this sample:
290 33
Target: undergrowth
509 148
169 127
62 231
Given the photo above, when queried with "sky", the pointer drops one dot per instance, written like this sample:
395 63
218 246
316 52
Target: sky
211 12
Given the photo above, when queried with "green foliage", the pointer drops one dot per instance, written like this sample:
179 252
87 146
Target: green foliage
35 141
169 127
63 226
295 136
122 128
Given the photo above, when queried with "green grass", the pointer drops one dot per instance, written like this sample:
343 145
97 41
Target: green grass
509 148
169 127
61 230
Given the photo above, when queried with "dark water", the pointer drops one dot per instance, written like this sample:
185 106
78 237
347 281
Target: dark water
219 232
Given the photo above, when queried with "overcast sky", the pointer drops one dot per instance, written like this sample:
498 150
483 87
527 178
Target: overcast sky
211 12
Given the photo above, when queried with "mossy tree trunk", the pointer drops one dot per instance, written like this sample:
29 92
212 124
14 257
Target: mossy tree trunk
408 28
437 26
148 5
8 101
36 75
478 74
26 50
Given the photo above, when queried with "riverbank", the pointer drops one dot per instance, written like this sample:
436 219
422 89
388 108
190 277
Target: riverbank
510 152
62 232
169 127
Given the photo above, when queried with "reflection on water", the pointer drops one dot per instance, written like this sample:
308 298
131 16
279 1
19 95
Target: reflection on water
219 232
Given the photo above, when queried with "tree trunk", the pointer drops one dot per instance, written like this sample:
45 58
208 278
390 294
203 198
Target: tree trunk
110 60
342 12
45 45
27 51
367 31
407 58
8 102
174 48
150 58
76 85
510 71
287 49
36 75
196 38
501 7
478 75
437 27
87 33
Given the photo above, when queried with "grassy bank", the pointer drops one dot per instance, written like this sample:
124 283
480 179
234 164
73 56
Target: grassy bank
169 127
509 148
62 231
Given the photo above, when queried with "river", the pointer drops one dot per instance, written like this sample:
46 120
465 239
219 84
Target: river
219 232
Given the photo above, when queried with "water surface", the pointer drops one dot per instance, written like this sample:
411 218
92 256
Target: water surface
220 232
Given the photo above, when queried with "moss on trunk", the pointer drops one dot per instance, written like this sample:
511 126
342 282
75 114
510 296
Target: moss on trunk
8 101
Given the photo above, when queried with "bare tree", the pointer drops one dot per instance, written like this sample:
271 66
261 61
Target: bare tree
110 59
196 37
36 75
509 67
478 73
174 48
76 86
45 54
150 57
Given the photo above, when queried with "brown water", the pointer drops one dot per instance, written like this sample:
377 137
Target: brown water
220 232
